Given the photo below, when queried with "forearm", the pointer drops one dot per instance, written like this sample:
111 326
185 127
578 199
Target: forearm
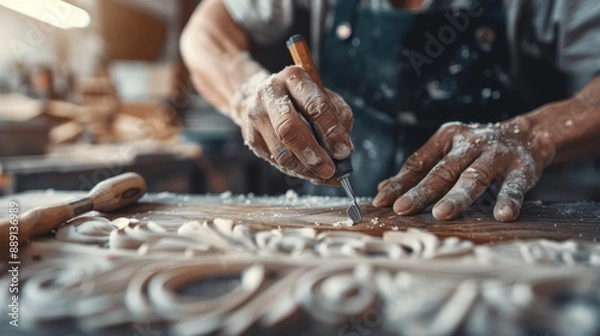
572 126
214 49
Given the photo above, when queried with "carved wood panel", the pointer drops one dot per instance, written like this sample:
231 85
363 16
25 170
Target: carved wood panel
219 276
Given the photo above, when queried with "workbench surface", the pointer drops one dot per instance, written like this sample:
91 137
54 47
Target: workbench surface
232 265
558 221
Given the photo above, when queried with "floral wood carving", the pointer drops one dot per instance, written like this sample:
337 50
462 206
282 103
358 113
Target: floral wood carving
216 277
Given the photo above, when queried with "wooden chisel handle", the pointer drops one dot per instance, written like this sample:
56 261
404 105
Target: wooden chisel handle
302 57
109 195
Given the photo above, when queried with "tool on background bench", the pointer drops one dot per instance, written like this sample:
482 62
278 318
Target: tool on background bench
108 195
343 168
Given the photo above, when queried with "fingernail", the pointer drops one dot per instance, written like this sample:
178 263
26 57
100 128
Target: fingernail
341 151
325 170
505 213
443 210
402 205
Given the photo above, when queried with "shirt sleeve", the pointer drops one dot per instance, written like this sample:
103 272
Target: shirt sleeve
579 39
266 21
564 33
573 28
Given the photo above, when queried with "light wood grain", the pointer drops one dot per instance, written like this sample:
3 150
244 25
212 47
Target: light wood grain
537 220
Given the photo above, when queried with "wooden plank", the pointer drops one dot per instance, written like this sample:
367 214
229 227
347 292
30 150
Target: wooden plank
579 221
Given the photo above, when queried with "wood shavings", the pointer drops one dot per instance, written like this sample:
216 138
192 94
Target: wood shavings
412 281
86 230
343 223
120 223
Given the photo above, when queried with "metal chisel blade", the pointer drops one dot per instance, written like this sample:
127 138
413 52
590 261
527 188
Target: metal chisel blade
353 210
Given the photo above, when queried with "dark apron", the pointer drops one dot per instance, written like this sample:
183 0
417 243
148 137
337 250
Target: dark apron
404 74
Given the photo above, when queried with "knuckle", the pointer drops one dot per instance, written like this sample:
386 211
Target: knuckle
414 163
297 80
394 185
346 118
287 130
314 106
285 158
346 113
446 173
383 184
335 134
255 114
494 155
318 108
480 176
267 90
514 189
481 182
513 195
292 72
451 127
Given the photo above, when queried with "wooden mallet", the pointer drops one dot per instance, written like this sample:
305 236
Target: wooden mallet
108 195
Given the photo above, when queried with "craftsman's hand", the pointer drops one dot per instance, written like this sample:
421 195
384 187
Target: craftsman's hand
274 111
460 161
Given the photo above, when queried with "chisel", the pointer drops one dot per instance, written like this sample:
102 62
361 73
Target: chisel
343 168
108 195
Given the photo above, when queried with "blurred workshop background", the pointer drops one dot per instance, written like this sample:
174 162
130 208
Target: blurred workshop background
100 89
81 104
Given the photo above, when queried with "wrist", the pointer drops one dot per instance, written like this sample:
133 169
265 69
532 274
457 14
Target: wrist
537 135
251 76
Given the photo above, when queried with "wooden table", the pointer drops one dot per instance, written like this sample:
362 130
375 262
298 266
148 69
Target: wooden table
227 264
579 221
